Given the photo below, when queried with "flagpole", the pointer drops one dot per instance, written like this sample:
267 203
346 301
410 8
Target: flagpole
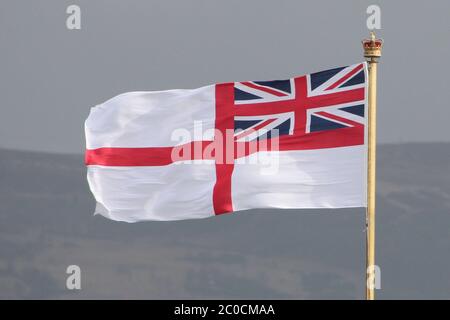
372 52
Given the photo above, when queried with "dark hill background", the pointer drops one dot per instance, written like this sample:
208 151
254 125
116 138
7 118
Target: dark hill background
46 224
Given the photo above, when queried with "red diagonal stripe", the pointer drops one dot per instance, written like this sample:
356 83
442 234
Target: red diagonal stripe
337 118
265 89
256 128
346 77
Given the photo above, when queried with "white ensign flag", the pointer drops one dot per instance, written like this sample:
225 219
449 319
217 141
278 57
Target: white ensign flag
184 154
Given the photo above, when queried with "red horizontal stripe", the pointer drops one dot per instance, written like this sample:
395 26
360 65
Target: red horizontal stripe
161 156
152 156
331 99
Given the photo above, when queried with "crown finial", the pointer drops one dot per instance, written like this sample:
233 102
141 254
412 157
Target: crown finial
372 47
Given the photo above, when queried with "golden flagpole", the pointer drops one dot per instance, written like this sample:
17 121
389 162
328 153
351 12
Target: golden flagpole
372 52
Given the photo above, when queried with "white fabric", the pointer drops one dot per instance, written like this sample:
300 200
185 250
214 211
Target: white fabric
173 192
324 178
148 119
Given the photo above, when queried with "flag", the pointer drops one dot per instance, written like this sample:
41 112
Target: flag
196 153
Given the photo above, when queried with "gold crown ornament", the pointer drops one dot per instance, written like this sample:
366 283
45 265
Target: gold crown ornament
372 47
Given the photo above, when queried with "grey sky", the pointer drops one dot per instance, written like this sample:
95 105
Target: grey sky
51 76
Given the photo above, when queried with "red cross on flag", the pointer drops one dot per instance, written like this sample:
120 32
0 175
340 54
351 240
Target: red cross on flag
196 153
